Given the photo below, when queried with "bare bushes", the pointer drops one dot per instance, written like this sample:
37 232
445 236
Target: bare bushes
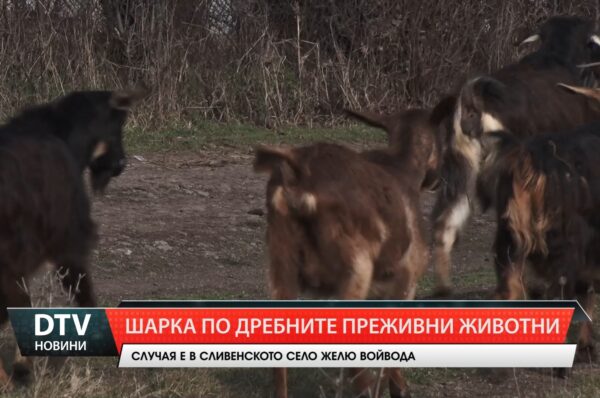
265 62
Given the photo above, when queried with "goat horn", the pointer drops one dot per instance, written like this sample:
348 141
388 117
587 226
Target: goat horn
588 92
590 65
531 39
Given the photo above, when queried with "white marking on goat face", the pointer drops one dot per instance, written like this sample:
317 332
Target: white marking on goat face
489 123
595 39
100 149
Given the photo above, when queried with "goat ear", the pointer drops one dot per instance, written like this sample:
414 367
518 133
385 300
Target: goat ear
593 93
489 89
125 99
444 108
267 159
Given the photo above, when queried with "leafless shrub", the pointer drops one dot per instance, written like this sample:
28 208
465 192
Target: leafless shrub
266 62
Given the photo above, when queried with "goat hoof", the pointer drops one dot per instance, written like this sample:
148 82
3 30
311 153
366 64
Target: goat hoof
560 373
397 391
400 394
535 293
22 373
442 291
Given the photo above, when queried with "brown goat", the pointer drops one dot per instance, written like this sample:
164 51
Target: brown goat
346 225
429 134
423 132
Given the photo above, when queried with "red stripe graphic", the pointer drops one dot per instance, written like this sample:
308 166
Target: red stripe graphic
339 325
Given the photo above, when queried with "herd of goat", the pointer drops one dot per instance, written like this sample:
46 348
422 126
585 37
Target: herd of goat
524 140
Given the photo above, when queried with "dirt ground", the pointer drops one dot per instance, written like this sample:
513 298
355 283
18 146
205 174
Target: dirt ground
186 227
181 222
190 222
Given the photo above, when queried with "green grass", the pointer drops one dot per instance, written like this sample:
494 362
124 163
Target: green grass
209 135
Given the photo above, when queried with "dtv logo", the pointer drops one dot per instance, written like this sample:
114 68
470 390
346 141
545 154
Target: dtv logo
44 324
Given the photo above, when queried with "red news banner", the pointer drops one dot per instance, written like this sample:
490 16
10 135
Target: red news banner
349 334
339 326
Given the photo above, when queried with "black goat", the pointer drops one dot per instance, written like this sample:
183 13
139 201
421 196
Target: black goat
44 209
548 211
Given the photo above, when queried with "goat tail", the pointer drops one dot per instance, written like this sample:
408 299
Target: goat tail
526 211
371 118
300 203
267 159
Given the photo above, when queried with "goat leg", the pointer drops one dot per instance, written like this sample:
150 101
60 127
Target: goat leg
15 295
509 264
585 345
446 228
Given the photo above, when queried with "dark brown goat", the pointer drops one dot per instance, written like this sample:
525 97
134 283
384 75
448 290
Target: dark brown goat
345 225
548 210
521 98
44 208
